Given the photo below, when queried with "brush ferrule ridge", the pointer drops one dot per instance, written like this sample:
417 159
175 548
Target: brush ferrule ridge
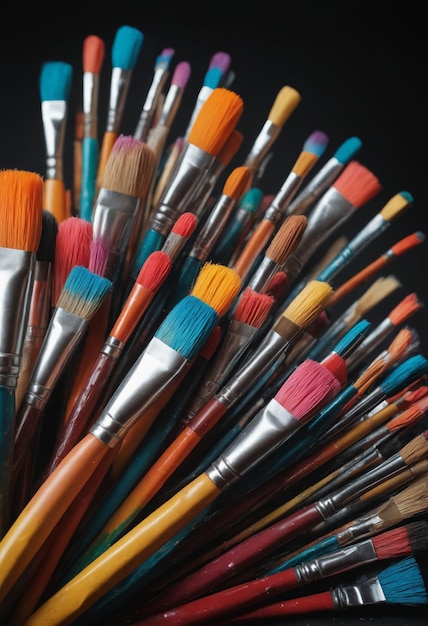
9 369
54 116
362 527
119 87
336 562
277 209
264 140
37 396
112 347
368 592
312 190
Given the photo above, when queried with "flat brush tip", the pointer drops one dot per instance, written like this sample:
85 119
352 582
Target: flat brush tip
218 285
83 292
154 270
286 101
397 205
253 307
55 81
237 182
348 149
93 54
126 47
181 74
185 224
357 184
316 143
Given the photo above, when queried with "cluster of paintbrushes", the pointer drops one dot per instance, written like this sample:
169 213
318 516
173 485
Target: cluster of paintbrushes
189 431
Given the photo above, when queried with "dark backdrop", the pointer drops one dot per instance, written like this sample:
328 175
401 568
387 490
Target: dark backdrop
360 72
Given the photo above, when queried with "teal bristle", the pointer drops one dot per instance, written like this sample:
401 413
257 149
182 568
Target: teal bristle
163 60
316 143
83 292
187 326
126 47
405 373
407 196
251 200
348 149
348 341
403 583
55 81
213 77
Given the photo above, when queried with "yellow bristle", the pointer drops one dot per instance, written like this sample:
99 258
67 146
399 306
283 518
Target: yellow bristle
286 101
217 285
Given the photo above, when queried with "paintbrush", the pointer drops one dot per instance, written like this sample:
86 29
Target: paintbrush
274 426
325 177
213 78
40 307
54 88
77 158
214 124
397 543
151 102
151 277
93 58
286 101
125 51
20 234
169 161
166 356
312 149
399 583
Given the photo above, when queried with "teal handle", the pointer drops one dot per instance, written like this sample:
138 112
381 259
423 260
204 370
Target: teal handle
7 435
90 155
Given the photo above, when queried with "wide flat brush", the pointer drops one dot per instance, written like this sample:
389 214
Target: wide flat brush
21 196
165 357
54 88
125 51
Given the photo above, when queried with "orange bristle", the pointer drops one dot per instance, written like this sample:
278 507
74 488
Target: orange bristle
287 238
93 54
411 304
21 206
216 120
237 183
185 225
409 416
230 148
154 270
98 256
253 308
212 343
408 243
357 184
401 344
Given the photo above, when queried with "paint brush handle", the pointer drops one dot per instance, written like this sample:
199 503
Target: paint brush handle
7 420
107 144
89 176
28 423
55 198
322 601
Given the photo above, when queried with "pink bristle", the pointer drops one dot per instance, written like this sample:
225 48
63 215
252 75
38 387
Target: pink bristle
221 60
98 256
357 184
181 74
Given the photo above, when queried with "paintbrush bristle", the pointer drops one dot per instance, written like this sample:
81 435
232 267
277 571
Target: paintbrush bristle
185 225
98 256
348 149
357 184
154 270
55 81
308 304
409 305
230 147
212 343
163 60
284 104
409 416
379 290
129 168
21 205
408 502
126 47
403 583
287 238
93 54
220 60
237 183
217 285
277 285
83 292
397 205
181 74
415 450
407 243
46 247
216 120
253 307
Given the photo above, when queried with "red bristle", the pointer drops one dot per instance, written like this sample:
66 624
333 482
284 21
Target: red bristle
93 54
154 270
337 367
277 285
408 243
185 225
98 256
357 184
411 304
393 543
212 343
315 328
308 387
409 416
253 307
417 394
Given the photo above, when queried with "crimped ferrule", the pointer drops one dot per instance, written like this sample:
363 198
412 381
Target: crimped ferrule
368 592
264 140
212 228
312 190
277 209
119 87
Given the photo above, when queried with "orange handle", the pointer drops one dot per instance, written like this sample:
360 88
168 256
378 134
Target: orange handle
54 199
109 139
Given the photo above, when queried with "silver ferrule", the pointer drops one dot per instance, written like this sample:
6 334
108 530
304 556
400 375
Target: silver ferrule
173 245
262 144
372 229
336 562
203 96
113 347
266 270
212 228
315 187
157 366
150 103
16 284
367 592
376 336
113 217
191 169
91 84
362 527
261 436
54 116
170 105
278 207
119 87
62 336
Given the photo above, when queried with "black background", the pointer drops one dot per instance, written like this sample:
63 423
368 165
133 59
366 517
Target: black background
360 71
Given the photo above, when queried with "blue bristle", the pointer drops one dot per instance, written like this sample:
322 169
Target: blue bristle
55 81
347 150
407 196
187 326
410 370
83 291
316 143
402 583
126 47
213 77
163 60
359 329
251 200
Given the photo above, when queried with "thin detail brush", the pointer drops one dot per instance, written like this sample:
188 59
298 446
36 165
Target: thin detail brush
77 159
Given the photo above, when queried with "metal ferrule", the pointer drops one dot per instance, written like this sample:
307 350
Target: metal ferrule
263 434
40 304
119 87
146 381
191 168
362 527
149 107
264 140
277 208
367 592
54 116
173 245
212 228
378 334
266 269
170 105
91 84
203 95
62 336
16 283
113 347
374 227
315 187
336 562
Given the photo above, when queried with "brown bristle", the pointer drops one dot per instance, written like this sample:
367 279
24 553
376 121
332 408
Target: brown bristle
415 450
414 499
392 543
216 120
377 292
93 54
73 247
357 184
308 304
154 270
217 285
237 183
253 308
98 256
21 206
129 168
409 416
277 285
185 225
409 305
212 343
287 238
230 148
